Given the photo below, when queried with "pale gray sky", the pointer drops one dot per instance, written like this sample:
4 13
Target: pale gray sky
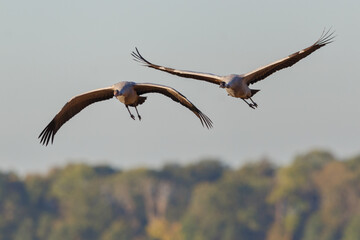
53 50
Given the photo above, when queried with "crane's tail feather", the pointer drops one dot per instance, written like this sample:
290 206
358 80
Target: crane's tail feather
254 91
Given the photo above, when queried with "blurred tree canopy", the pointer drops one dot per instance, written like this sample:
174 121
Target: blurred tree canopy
317 196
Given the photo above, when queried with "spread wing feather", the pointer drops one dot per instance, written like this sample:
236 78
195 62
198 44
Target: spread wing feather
70 109
208 77
263 72
144 88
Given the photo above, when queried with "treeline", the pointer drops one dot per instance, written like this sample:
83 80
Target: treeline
316 197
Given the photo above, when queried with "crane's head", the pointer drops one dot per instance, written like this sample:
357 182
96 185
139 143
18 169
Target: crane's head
222 85
117 93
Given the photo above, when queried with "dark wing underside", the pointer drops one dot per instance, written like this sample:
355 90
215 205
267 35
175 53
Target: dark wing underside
263 72
208 77
144 88
70 109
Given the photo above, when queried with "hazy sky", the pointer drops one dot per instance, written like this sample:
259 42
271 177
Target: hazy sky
53 50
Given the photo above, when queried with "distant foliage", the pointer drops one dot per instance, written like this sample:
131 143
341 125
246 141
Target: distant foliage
315 197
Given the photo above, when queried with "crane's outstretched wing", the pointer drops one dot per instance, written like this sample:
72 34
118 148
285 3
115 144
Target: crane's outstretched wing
208 77
263 72
71 108
142 88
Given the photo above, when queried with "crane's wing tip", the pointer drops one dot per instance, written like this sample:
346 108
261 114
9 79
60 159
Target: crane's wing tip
205 121
327 37
139 58
47 134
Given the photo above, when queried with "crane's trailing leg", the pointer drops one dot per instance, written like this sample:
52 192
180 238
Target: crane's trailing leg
132 116
138 114
249 104
254 103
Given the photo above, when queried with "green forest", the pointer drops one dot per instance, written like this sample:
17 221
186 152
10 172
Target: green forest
316 196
